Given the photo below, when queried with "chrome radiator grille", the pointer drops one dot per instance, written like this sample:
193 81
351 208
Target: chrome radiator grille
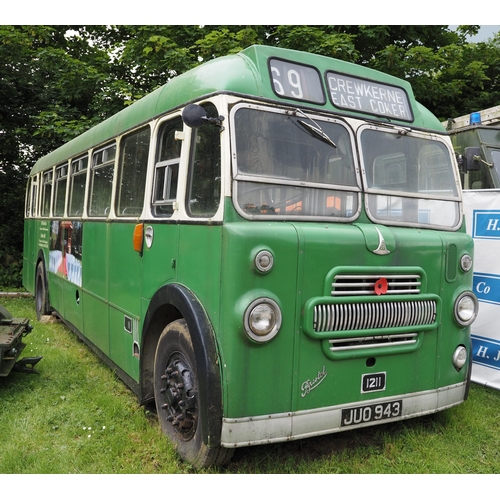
373 315
365 284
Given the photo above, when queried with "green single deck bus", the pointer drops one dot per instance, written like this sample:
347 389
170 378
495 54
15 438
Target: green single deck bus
271 246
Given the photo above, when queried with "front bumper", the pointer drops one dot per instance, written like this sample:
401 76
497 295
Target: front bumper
265 429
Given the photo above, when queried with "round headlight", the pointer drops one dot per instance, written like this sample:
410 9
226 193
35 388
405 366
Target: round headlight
459 357
466 263
262 319
466 308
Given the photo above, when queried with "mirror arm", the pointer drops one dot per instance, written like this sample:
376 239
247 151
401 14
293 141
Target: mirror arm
478 158
215 121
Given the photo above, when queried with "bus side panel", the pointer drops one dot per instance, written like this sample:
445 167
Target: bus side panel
199 264
125 270
73 311
95 279
159 262
123 341
95 320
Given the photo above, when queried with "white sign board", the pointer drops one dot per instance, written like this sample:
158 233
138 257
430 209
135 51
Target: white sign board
482 212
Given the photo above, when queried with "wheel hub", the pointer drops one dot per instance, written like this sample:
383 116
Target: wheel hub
180 397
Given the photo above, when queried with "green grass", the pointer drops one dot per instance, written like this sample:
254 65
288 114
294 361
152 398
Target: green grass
77 417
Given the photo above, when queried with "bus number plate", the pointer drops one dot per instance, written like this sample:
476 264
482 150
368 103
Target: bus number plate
372 382
371 413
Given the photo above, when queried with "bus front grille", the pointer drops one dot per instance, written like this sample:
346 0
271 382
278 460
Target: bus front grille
366 284
374 315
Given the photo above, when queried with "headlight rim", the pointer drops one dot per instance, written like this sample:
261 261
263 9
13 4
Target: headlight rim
277 323
461 297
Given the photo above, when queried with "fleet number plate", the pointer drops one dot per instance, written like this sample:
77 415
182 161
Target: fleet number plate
371 413
371 382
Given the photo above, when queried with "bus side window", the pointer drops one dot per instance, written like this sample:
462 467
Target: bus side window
32 198
103 162
60 189
46 193
133 166
167 168
205 169
77 186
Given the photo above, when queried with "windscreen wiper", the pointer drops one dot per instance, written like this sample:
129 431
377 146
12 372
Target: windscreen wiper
315 129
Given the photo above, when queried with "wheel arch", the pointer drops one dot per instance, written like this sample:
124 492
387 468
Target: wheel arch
169 303
40 258
42 304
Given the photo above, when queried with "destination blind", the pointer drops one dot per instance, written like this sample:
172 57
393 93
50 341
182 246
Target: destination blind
303 83
355 94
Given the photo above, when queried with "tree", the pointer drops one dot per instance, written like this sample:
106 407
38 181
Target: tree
52 87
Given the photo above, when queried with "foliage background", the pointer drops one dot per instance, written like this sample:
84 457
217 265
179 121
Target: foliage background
58 81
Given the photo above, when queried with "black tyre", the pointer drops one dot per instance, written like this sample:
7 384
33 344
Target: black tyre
177 398
41 293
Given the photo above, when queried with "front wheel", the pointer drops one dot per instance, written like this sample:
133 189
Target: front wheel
176 388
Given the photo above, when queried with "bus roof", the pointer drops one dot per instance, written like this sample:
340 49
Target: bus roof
245 73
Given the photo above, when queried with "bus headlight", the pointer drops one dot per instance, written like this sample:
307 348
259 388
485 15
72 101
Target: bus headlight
466 308
262 319
459 357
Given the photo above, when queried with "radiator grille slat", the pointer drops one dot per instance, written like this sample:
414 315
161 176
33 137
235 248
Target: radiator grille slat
372 342
373 315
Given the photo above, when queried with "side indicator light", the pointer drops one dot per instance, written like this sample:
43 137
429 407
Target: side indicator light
138 237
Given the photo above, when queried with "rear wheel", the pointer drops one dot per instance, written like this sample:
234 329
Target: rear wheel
177 398
41 294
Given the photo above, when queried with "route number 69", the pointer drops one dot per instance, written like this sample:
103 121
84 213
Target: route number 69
294 83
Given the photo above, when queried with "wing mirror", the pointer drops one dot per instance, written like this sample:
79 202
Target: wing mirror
472 158
195 116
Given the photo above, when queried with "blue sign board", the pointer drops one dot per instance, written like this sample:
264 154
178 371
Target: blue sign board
486 287
486 352
486 224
